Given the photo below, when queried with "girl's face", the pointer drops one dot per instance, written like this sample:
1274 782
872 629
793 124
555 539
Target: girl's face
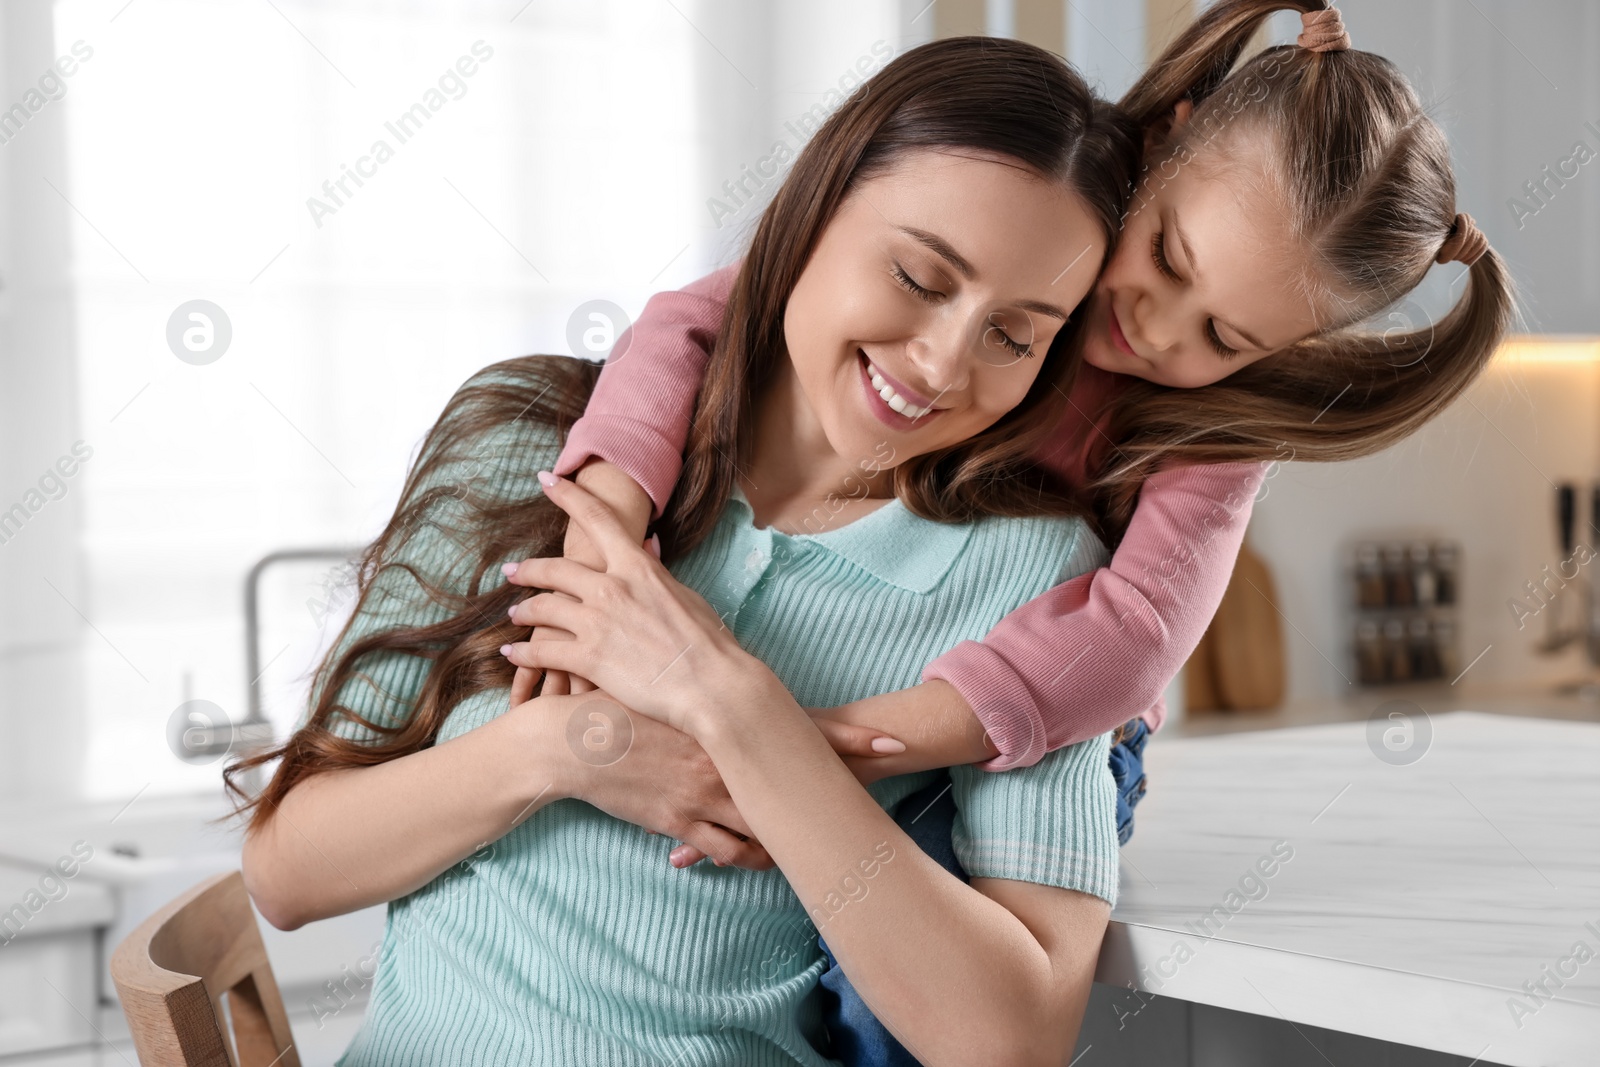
1205 278
924 313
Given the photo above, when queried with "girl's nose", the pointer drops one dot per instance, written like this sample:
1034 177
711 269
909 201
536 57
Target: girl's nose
1154 323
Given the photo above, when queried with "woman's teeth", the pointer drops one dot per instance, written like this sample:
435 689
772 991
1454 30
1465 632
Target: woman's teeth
892 398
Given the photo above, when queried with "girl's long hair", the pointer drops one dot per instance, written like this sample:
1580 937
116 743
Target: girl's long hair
1371 199
988 95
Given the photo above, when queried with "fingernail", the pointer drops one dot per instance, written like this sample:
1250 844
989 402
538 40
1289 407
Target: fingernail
655 545
508 569
512 611
887 744
505 650
546 479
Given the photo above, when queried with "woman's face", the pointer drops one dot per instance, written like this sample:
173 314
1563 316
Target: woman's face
1205 278
925 312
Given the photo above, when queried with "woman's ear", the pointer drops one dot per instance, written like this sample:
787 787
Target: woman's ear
1159 134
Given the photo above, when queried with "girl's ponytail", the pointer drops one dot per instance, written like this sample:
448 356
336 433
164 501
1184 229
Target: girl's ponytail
1200 59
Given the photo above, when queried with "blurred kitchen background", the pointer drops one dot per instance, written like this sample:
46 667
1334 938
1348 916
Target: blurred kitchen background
599 152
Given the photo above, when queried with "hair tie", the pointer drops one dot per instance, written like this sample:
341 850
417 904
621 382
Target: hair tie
1323 31
1465 243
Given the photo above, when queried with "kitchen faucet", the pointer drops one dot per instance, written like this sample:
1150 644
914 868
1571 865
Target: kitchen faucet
253 733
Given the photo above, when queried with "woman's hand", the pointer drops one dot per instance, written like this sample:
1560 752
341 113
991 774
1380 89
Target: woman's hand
644 635
862 749
646 773
637 632
632 506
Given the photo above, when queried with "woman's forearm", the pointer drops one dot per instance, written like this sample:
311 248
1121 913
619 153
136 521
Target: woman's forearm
348 839
968 994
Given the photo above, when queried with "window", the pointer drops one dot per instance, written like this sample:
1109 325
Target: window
230 153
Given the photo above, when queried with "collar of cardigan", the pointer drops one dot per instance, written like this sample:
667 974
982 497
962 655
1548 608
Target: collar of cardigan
890 543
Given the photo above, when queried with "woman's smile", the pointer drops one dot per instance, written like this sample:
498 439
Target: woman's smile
894 403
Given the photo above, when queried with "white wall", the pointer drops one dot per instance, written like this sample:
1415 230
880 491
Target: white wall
43 638
772 64
1482 474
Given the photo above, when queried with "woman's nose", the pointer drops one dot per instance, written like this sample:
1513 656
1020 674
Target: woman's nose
940 358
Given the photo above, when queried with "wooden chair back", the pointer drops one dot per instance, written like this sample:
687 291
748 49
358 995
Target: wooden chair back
191 969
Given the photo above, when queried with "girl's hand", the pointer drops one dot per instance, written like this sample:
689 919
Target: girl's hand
646 773
637 632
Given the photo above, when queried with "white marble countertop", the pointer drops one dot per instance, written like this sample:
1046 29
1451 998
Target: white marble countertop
1415 900
36 900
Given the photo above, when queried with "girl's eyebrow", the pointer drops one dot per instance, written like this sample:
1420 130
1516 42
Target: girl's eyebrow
944 250
1194 269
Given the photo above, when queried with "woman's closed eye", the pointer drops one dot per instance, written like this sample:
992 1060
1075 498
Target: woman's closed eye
1158 253
908 283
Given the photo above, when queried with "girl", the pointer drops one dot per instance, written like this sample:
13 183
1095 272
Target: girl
569 939
1281 204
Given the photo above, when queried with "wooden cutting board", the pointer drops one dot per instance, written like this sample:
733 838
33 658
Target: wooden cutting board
1200 677
1239 663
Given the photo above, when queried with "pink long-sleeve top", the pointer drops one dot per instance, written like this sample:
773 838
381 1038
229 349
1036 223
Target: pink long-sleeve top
1074 662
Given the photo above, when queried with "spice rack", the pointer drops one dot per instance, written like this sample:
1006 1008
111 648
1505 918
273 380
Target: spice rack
1403 600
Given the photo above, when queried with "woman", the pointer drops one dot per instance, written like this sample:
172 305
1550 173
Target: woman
570 939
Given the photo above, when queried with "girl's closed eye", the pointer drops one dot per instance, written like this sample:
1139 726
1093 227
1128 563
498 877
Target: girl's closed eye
1158 253
1216 342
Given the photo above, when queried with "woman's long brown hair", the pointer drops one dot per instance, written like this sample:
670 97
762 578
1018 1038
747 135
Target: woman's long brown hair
1371 198
441 498
989 95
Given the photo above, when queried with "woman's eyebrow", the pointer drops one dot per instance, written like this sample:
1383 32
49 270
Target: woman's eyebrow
943 249
1194 269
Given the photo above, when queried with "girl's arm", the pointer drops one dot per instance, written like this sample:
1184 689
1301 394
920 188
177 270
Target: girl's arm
1089 654
627 448
1084 656
638 416
1076 661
